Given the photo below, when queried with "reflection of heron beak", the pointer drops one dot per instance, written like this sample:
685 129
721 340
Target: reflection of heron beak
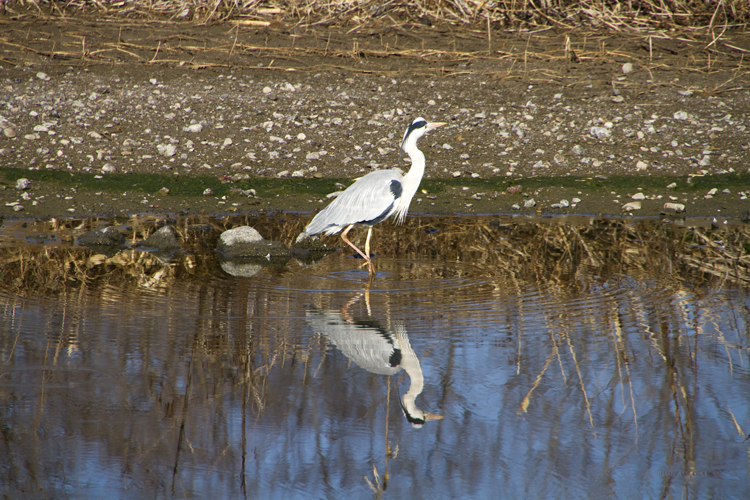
432 416
431 126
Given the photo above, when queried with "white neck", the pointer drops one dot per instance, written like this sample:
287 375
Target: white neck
412 178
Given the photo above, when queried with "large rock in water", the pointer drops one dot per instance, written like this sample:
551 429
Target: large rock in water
244 241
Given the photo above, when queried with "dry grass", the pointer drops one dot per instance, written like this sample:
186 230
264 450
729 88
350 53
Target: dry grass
525 14
550 253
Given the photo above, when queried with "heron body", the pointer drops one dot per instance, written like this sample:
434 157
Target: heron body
376 196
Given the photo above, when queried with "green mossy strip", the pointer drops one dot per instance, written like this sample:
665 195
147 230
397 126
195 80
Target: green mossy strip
186 186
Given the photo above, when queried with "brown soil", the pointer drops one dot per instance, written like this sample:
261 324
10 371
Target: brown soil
320 102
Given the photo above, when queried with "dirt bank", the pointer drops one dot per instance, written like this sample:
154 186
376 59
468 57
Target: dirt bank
127 117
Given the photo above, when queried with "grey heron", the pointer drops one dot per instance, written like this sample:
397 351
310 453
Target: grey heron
376 196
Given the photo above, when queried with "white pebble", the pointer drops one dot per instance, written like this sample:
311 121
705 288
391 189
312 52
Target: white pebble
194 127
639 196
633 205
680 115
627 68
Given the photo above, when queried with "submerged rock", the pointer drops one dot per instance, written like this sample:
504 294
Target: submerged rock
102 237
244 241
163 239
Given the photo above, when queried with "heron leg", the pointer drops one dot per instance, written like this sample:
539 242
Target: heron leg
364 256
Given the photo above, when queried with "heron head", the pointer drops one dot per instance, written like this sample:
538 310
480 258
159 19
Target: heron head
417 129
415 416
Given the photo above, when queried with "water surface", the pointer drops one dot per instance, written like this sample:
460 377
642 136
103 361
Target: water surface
597 373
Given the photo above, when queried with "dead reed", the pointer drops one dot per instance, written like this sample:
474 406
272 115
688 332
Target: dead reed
634 15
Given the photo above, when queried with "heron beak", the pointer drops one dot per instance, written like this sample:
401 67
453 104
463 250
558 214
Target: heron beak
432 416
431 126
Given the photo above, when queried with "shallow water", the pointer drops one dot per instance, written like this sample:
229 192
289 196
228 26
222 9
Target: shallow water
599 382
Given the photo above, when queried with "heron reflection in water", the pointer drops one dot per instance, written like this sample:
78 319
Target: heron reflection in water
377 349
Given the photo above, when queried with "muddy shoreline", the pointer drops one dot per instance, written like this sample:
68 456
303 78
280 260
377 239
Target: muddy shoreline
180 119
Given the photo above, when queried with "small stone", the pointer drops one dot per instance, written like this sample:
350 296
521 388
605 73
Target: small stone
208 192
456 174
672 185
680 115
267 90
194 127
515 206
705 161
530 203
576 200
675 207
283 173
627 68
578 150
227 142
633 205
108 168
639 196
301 136
600 132
564 203
514 189
447 146
9 132
43 76
23 183
167 149
18 208
712 191
641 165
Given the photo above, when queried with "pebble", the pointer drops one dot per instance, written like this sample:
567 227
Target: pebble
456 174
167 149
23 183
164 191
578 150
600 132
108 168
530 203
672 185
641 165
639 196
680 115
43 76
627 68
676 207
208 192
633 205
9 132
194 128
267 90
